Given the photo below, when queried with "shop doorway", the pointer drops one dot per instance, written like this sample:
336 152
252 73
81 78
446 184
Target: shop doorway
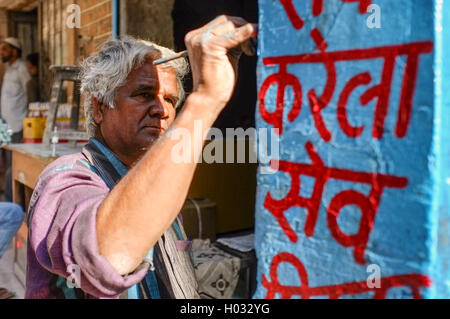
23 25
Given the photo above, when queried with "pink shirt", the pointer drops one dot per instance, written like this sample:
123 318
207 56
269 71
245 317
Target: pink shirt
62 232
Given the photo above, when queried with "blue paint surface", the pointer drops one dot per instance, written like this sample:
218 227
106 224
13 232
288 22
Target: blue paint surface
411 231
442 147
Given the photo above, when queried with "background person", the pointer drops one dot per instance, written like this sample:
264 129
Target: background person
14 104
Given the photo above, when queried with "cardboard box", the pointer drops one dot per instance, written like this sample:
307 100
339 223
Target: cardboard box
199 218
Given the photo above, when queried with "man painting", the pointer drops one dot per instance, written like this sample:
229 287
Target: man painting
106 218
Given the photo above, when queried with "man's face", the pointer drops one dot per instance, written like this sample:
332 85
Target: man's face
5 52
144 109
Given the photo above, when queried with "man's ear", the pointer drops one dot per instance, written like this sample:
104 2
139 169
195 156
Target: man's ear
98 110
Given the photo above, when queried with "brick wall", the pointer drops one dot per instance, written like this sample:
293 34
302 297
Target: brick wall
58 39
63 45
96 24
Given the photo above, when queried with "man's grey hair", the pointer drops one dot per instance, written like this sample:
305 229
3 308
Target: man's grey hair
102 74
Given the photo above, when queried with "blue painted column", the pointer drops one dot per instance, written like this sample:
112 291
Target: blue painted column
357 205
115 18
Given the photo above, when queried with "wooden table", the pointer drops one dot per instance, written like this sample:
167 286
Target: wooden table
28 161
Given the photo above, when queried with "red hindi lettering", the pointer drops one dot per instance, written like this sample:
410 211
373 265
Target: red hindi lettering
283 79
368 204
317 9
317 104
347 128
363 5
414 281
292 14
380 91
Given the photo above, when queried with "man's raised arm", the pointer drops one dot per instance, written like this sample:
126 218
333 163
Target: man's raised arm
147 200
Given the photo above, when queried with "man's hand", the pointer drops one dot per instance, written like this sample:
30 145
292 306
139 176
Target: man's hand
214 52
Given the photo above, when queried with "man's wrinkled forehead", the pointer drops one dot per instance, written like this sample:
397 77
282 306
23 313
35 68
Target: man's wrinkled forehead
146 76
143 75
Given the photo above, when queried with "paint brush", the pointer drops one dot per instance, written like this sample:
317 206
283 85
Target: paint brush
178 55
249 48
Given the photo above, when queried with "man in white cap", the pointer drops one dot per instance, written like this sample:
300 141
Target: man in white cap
14 93
13 109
